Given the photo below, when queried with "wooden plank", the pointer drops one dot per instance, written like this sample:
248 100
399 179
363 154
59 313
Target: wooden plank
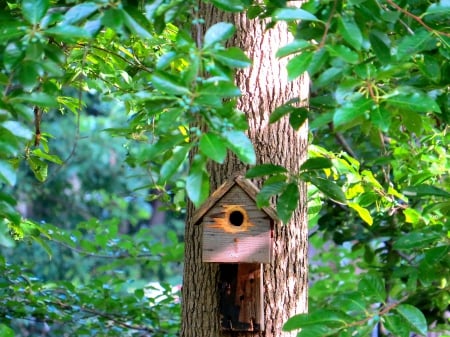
241 297
249 242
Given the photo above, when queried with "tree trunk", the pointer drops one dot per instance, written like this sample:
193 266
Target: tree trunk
264 86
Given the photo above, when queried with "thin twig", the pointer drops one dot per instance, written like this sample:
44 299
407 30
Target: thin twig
416 18
327 26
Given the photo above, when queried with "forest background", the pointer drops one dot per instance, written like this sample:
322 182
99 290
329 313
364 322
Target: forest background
97 102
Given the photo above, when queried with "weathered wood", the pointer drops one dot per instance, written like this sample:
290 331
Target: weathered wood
235 230
247 186
241 297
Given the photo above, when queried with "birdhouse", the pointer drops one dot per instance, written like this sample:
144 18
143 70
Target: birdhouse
235 230
239 236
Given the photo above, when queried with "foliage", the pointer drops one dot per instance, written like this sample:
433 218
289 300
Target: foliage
378 116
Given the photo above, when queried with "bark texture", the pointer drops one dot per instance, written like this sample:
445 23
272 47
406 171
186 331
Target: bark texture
264 86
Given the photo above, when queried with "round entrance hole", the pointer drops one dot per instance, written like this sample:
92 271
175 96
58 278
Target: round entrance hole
236 218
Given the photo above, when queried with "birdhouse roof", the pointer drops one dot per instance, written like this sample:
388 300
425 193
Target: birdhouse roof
246 186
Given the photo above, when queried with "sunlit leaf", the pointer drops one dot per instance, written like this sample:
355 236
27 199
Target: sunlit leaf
6 331
362 212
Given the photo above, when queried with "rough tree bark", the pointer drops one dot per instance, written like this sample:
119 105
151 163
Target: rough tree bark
264 86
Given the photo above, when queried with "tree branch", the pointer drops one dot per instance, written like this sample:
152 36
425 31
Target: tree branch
416 18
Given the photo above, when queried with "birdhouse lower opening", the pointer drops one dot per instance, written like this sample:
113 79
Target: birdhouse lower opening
236 218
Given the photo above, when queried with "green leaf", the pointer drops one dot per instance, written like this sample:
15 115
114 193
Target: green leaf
29 73
38 98
396 325
34 10
18 129
197 183
414 318
222 89
270 188
168 84
281 111
287 202
298 64
213 147
321 317
8 173
362 212
79 12
380 46
293 14
317 163
381 118
68 33
12 55
343 52
418 102
416 240
232 57
39 168
329 188
50 157
372 286
352 110
6 331
170 167
425 190
293 47
219 32
410 45
265 170
317 330
350 32
135 27
239 143
298 117
229 5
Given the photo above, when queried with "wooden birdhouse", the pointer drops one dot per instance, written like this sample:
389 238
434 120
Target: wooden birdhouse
235 230
239 236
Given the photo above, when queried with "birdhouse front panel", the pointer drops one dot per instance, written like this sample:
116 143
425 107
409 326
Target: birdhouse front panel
236 230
